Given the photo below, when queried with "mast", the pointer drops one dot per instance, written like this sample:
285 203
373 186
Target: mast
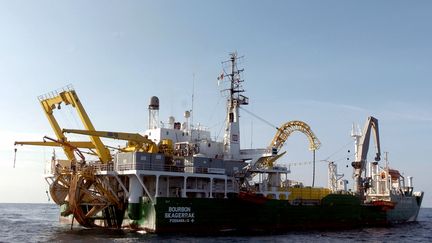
235 100
192 108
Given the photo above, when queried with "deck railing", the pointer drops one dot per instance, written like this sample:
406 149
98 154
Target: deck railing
154 167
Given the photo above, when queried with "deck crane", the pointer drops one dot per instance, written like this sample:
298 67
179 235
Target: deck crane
136 142
68 96
66 145
362 148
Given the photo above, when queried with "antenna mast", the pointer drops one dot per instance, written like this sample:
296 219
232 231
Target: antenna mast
235 100
192 108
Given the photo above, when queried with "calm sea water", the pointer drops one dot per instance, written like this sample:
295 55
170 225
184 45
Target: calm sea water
39 223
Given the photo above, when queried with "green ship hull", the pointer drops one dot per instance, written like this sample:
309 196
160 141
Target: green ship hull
211 215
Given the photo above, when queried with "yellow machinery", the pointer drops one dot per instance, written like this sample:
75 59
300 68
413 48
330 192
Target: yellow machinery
136 142
68 146
307 193
282 135
68 96
297 193
92 197
288 128
79 189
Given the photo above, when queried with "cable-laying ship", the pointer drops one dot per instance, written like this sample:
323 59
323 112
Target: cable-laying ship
174 178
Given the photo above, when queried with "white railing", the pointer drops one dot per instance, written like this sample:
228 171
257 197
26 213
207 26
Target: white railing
55 93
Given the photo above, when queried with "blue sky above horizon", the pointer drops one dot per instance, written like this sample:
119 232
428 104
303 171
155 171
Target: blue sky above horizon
329 63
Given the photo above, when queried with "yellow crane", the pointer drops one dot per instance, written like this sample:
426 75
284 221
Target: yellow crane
70 146
80 189
136 142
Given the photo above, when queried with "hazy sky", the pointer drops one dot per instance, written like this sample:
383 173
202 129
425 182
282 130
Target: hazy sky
328 63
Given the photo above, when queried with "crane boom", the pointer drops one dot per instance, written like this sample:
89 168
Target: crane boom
87 145
371 125
135 141
362 146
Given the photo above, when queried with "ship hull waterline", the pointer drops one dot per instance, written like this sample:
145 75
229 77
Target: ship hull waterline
172 215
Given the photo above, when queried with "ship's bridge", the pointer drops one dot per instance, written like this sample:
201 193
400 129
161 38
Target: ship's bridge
197 141
177 135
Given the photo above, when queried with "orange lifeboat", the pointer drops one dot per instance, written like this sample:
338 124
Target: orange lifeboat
394 174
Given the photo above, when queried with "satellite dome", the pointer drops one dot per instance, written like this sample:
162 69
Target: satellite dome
154 103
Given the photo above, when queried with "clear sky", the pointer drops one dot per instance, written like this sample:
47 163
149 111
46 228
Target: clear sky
328 63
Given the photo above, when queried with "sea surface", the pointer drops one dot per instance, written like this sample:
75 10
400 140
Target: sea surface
39 223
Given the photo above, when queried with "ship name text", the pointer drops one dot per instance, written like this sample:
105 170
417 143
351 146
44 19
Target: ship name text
180 215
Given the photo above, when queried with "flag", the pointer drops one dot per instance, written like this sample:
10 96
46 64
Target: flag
220 78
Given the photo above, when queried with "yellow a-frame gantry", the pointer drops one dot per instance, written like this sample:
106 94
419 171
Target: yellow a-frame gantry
68 96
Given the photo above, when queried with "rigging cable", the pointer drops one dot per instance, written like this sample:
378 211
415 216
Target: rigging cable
222 127
219 123
339 150
73 115
259 118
